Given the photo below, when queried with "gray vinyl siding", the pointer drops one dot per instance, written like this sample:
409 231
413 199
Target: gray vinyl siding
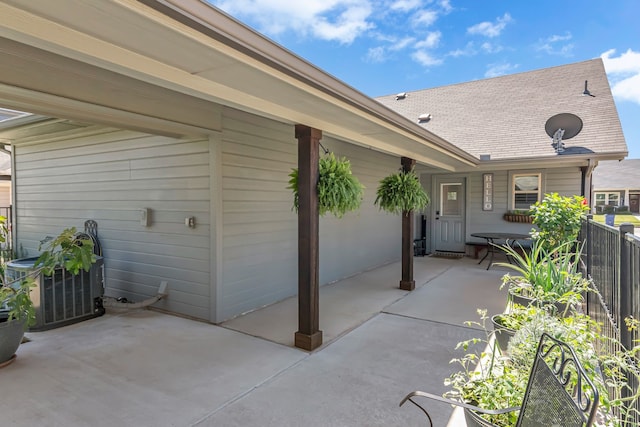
259 230
259 264
368 237
109 176
564 181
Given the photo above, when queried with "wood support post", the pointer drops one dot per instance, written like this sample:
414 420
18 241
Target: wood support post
407 283
309 336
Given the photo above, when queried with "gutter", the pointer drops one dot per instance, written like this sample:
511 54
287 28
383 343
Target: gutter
198 15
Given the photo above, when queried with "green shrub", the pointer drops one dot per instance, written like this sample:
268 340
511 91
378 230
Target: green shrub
558 218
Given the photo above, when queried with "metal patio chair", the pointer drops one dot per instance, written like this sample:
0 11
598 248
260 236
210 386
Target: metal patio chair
558 393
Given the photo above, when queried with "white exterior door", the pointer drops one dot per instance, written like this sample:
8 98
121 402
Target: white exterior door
450 215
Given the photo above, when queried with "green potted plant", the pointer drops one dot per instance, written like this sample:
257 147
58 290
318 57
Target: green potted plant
486 379
550 277
491 381
339 191
505 325
17 310
401 192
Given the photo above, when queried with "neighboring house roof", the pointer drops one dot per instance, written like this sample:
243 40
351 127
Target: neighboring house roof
505 117
105 64
617 175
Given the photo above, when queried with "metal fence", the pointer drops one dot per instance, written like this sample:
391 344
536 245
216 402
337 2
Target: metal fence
612 259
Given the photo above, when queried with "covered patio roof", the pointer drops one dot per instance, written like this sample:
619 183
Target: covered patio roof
166 64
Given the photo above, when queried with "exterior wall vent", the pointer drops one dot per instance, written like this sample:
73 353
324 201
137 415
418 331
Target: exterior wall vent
485 156
423 118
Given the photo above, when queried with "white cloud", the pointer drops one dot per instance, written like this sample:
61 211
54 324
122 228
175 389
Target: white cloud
445 5
554 45
496 70
491 47
393 25
338 20
405 5
489 29
382 53
425 58
469 50
377 54
424 18
624 73
431 41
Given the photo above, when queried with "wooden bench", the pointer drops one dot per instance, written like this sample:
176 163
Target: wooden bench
476 248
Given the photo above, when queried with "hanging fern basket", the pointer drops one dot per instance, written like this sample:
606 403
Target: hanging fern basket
339 191
401 192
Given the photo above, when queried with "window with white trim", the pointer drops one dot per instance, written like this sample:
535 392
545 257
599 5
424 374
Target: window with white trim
607 199
526 190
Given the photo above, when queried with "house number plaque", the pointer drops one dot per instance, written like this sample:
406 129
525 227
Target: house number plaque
487 192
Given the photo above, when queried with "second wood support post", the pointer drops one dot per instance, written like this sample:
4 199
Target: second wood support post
407 283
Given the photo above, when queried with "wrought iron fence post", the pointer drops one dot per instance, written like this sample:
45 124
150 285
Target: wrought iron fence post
626 290
588 243
587 249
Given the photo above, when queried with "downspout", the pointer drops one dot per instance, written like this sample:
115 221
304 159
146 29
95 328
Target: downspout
586 185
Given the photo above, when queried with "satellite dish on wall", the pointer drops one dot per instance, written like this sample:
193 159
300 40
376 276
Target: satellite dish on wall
570 123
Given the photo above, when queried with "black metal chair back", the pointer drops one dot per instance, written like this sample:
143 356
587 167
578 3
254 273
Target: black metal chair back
559 393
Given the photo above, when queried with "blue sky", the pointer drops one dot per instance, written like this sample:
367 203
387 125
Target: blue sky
388 46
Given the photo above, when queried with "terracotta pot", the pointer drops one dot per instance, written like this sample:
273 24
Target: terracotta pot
11 334
474 420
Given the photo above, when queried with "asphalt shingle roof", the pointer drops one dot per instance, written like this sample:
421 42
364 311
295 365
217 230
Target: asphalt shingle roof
505 116
614 175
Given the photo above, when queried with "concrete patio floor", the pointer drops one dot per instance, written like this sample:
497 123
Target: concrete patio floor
145 368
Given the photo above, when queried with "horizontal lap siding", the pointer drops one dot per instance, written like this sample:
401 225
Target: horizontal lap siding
368 237
260 230
109 176
565 181
259 237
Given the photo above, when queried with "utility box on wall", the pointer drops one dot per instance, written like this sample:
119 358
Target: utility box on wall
62 298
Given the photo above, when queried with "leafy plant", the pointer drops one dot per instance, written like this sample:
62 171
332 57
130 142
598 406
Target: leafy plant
518 315
547 275
486 379
66 250
339 191
401 192
558 218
